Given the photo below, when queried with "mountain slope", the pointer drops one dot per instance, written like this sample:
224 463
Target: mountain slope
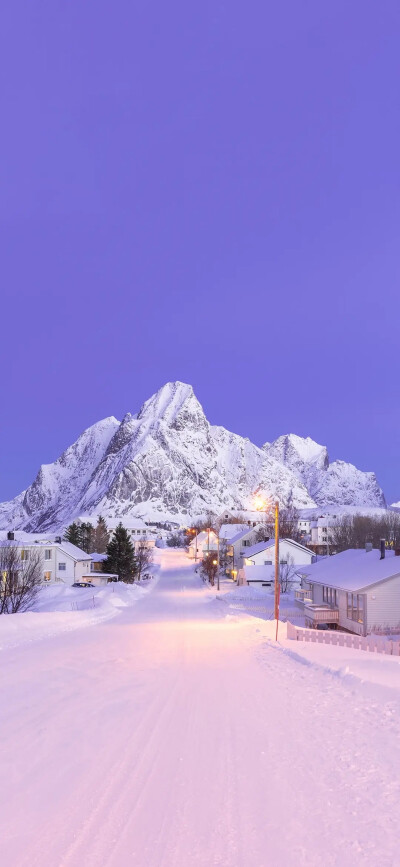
168 461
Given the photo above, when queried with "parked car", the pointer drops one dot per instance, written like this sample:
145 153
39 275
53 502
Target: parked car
83 584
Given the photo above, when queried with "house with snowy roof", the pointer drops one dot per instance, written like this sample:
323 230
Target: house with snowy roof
263 553
202 543
235 539
62 561
357 590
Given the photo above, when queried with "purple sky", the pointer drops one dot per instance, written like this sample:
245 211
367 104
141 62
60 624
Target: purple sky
206 192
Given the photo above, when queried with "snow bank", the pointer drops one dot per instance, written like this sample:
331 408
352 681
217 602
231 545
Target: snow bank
63 609
367 669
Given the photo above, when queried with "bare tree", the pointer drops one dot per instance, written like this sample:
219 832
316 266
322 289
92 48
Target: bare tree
262 533
143 559
289 522
209 567
353 531
287 575
22 573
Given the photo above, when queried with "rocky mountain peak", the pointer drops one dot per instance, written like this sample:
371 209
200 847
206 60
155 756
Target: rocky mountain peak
169 462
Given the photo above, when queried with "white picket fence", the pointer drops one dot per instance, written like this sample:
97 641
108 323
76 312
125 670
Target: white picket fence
371 643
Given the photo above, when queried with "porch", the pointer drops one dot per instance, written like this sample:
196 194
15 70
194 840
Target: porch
303 596
317 614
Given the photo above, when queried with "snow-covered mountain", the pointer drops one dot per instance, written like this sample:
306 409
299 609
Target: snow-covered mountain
169 462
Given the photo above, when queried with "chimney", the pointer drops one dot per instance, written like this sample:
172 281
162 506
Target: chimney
58 540
383 543
10 536
368 547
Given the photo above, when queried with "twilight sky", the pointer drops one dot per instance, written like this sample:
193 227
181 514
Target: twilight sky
205 191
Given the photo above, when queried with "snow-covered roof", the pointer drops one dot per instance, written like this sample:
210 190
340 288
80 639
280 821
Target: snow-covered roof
98 558
130 523
241 535
202 536
259 573
354 569
73 551
228 531
258 548
263 546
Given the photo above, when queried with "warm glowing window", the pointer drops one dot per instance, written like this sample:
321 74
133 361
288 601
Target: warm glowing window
355 607
47 576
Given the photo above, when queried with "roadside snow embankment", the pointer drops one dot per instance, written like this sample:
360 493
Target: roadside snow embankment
61 608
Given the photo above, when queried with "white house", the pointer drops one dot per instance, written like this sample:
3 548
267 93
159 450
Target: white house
263 553
250 517
62 561
304 527
96 575
257 576
202 543
358 590
236 539
321 533
138 531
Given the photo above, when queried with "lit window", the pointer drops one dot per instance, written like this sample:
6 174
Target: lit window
47 576
355 607
24 555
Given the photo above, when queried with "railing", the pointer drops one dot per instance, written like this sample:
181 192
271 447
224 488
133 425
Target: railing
321 614
303 595
370 643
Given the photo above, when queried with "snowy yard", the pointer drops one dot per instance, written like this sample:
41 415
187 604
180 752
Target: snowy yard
175 734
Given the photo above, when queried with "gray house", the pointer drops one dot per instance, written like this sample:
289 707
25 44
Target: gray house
358 590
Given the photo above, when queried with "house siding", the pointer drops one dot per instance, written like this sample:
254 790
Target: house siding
346 622
295 554
383 605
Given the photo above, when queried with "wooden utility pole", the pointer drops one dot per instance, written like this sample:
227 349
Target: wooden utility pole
277 561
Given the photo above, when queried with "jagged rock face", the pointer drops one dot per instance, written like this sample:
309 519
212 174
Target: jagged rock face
168 461
306 458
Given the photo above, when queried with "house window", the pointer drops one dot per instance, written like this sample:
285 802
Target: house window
246 542
24 555
267 562
47 576
355 607
62 567
47 554
329 595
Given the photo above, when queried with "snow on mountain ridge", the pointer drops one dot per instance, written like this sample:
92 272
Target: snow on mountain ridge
168 461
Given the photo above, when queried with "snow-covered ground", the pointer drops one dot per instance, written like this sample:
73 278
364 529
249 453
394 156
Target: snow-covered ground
177 735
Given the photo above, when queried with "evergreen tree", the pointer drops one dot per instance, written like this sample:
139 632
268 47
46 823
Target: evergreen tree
121 556
87 537
81 535
101 536
73 535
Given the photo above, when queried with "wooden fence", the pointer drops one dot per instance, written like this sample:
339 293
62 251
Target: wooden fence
371 643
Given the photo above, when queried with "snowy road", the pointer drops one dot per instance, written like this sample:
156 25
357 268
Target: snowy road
174 736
